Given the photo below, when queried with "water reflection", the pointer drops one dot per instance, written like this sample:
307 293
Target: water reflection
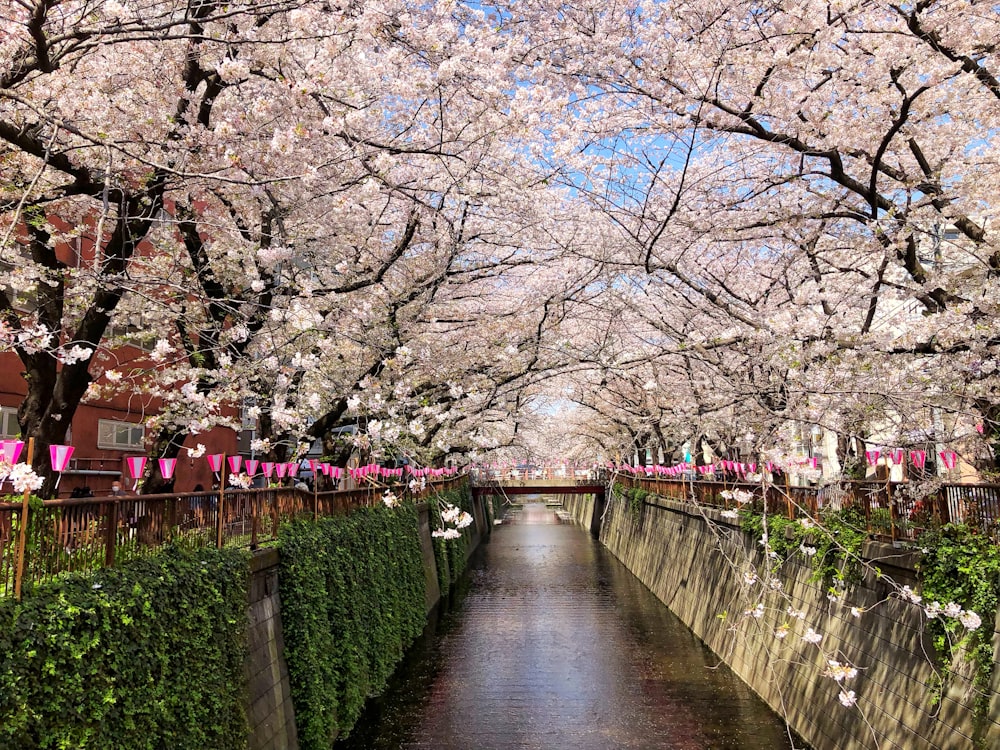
551 644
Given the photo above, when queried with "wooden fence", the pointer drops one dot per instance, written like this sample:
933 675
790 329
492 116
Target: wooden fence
890 509
90 533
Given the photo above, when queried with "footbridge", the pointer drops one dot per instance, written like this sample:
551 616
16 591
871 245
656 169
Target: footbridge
553 485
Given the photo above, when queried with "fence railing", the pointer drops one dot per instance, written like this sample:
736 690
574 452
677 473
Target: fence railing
551 473
91 533
891 510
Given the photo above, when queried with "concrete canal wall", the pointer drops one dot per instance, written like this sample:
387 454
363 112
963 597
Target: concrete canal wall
270 712
586 510
272 718
695 568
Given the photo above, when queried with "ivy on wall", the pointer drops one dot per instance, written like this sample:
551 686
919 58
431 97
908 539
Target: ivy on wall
834 542
635 498
496 511
962 566
352 598
146 656
450 554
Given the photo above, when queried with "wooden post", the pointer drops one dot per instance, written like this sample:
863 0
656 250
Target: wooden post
941 506
892 509
23 531
315 497
222 499
169 518
111 537
255 496
788 499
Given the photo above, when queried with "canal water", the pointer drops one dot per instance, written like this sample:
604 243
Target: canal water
550 644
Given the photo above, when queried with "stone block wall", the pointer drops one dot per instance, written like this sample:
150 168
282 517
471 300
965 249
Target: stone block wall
433 588
272 718
580 508
694 562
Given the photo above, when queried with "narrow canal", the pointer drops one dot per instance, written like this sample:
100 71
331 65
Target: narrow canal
551 643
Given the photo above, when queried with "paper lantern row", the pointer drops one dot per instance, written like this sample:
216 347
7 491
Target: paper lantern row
10 452
917 458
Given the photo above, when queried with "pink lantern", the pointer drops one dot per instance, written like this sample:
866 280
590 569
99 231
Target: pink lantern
293 468
897 456
769 465
234 464
167 466
949 459
313 463
215 462
136 465
268 468
872 457
813 462
251 465
282 470
59 455
753 468
10 450
918 458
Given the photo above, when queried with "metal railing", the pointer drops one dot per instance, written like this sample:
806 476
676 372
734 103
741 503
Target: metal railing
551 473
95 532
890 510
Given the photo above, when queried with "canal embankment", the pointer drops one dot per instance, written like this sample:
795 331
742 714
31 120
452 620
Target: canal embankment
346 596
704 568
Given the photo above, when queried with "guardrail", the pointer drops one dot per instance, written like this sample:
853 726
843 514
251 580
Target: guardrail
534 472
91 533
890 509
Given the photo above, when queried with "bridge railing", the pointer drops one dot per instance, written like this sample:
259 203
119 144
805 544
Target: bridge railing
90 533
548 473
892 510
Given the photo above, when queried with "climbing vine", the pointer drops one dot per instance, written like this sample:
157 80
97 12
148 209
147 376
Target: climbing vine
450 554
831 545
352 590
146 656
960 586
634 498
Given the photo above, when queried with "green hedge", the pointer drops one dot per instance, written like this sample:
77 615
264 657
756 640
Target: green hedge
142 657
450 555
352 599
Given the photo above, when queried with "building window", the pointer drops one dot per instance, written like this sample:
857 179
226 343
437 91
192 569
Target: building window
120 435
9 427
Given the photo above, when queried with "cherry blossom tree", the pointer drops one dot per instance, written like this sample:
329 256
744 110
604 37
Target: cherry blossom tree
817 182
